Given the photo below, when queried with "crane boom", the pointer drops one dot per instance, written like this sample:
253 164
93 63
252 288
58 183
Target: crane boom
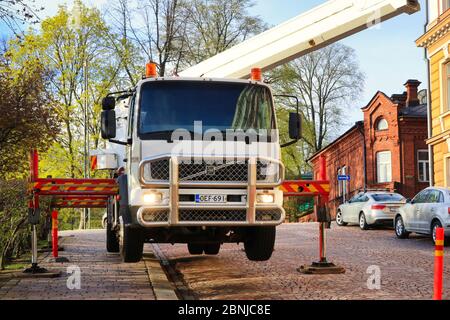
323 25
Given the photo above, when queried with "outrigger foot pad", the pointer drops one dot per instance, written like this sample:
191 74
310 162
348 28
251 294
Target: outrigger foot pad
38 272
321 268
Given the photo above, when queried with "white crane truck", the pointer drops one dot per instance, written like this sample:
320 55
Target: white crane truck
201 152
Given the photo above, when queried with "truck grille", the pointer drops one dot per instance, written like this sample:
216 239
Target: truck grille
268 215
231 171
191 215
150 215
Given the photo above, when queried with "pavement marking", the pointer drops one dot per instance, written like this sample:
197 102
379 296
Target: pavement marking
162 287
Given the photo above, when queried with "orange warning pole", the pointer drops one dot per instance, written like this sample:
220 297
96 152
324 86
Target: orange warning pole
322 202
55 233
439 264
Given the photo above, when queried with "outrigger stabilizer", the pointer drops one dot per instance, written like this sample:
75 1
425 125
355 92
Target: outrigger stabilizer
63 193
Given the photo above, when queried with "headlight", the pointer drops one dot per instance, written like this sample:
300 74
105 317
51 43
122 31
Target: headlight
152 198
265 198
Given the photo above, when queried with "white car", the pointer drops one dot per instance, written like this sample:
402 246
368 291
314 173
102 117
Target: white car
370 208
105 220
429 210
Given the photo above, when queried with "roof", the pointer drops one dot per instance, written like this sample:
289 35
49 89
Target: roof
359 124
419 111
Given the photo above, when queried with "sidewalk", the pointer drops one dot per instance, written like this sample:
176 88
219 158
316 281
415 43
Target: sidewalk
103 276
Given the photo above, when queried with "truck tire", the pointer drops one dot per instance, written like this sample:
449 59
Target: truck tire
131 244
212 249
112 243
259 243
195 249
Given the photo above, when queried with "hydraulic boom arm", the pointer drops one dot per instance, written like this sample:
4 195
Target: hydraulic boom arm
323 25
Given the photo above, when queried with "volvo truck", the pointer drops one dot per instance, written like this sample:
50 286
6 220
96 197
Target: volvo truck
202 167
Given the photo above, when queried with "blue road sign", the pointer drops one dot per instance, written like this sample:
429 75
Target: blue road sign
343 178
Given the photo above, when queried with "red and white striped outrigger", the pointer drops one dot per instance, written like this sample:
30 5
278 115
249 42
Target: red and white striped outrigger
63 193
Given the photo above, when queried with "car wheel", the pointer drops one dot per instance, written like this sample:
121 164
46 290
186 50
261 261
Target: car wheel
363 222
436 224
195 248
340 219
212 249
400 229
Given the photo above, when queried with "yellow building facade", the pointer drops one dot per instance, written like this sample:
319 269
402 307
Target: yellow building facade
436 41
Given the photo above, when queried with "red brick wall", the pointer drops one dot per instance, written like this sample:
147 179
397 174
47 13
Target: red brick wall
404 137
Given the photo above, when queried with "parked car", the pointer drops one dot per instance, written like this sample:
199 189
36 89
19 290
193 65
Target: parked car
429 210
105 220
370 208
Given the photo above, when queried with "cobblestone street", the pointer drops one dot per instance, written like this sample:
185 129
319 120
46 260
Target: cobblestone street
406 267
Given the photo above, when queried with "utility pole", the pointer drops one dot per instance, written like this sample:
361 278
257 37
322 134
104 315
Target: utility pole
87 212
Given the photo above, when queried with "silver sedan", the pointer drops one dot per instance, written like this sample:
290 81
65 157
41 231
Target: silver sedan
429 210
370 208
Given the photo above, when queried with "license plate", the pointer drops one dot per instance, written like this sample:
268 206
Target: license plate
210 198
394 210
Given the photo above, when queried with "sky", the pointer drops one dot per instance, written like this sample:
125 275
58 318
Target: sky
387 54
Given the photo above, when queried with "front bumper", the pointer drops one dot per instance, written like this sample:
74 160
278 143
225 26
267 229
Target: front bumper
173 213
191 216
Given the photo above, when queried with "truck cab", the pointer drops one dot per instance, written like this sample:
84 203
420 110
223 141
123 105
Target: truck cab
202 166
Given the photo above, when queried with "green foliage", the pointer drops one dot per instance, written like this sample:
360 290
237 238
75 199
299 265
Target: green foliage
28 119
14 235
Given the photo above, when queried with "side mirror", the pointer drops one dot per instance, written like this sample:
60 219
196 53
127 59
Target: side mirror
108 103
295 126
108 124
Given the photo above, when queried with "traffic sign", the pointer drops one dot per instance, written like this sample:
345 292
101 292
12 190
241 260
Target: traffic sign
343 178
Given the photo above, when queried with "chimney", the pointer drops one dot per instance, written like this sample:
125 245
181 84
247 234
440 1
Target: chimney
412 89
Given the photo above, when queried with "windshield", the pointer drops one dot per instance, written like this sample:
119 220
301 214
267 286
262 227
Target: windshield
386 197
166 106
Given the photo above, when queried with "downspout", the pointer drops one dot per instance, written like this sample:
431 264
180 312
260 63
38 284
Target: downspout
361 131
430 120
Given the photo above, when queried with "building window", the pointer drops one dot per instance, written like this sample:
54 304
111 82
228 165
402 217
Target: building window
445 5
382 125
446 85
447 170
384 167
424 166
339 183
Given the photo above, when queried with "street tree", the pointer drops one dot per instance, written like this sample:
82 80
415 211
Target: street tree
15 14
328 82
214 26
28 114
74 49
149 30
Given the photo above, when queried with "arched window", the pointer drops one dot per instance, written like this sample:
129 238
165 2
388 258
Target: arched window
382 125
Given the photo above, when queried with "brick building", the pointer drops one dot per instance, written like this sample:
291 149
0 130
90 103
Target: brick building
387 150
436 41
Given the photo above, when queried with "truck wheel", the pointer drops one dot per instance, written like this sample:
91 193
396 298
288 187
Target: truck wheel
131 244
259 243
212 249
195 248
112 243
